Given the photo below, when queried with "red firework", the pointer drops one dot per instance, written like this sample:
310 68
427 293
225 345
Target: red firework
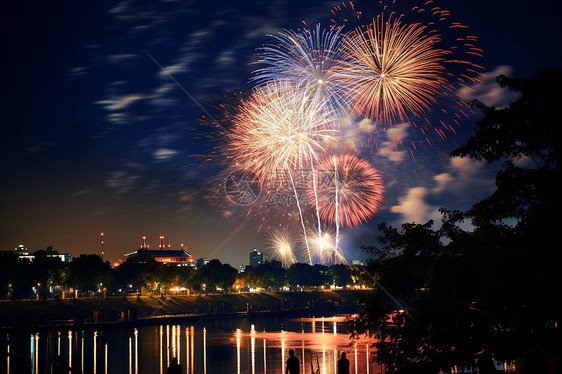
348 188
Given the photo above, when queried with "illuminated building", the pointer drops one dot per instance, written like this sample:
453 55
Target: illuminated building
256 258
165 255
23 254
177 257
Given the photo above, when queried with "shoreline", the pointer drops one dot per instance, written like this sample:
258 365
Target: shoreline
118 311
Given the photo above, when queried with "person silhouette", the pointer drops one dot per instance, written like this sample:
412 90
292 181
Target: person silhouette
292 363
174 367
343 364
486 364
61 367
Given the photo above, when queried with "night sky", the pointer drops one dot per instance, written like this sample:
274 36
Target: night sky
98 137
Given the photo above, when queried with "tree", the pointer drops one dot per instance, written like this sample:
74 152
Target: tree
216 274
11 274
452 294
270 274
305 275
526 137
48 269
339 275
87 272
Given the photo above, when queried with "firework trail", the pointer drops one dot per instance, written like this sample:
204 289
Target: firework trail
280 131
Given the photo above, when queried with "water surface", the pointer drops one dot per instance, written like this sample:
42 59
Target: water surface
250 345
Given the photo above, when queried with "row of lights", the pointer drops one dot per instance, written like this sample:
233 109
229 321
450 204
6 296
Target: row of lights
143 246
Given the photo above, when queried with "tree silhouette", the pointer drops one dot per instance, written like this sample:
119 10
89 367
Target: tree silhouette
454 296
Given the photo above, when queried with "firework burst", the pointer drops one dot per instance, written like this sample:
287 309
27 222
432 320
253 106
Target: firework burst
349 190
308 60
451 54
281 247
279 129
325 248
392 69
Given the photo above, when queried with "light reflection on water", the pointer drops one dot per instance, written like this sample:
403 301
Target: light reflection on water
254 345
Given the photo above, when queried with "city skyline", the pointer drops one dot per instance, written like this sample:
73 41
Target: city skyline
102 131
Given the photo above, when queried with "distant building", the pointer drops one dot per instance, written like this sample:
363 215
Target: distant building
177 257
256 258
201 262
23 254
64 257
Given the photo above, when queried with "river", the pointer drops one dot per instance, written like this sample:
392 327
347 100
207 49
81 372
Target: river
235 345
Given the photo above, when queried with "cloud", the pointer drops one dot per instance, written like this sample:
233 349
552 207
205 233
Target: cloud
463 183
395 135
119 58
122 181
163 154
442 180
488 91
463 175
78 72
121 102
413 207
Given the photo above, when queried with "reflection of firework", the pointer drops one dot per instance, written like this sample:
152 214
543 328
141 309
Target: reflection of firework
350 187
280 247
392 69
307 59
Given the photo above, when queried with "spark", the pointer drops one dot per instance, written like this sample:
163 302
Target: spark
281 247
350 190
309 60
393 70
278 131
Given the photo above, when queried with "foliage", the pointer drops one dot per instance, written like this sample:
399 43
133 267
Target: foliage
142 271
306 275
216 274
452 295
265 276
88 272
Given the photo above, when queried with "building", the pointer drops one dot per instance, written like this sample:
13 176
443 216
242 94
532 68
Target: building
177 257
256 258
23 254
201 262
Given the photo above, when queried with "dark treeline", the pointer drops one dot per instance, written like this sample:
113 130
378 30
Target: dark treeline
48 276
455 295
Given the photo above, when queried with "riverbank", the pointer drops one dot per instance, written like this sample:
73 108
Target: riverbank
120 310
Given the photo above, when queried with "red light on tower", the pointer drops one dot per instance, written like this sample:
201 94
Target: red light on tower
162 245
143 245
101 240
